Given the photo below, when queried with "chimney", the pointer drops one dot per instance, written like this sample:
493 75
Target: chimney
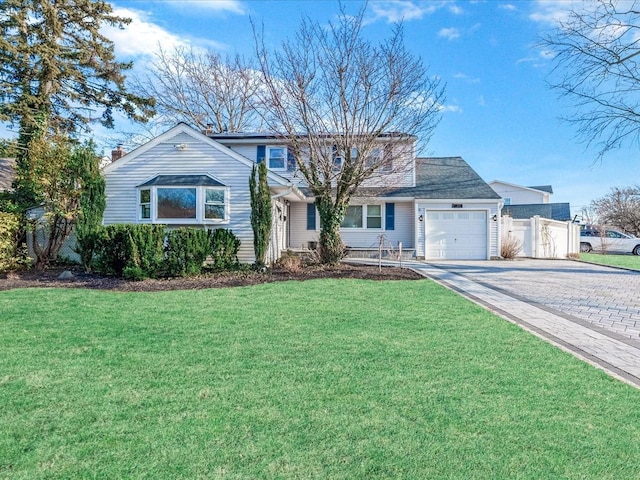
117 154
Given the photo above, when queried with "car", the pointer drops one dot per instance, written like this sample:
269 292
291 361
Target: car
607 240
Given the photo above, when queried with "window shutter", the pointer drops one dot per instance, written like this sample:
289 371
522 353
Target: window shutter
262 151
389 216
311 216
291 162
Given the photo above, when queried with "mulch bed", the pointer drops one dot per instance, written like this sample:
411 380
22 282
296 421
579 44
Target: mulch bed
49 278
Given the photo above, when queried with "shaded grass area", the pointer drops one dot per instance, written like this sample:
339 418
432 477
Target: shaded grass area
322 379
631 262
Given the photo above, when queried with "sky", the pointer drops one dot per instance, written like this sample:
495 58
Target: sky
500 115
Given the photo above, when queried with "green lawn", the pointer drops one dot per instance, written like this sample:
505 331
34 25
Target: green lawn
625 261
323 379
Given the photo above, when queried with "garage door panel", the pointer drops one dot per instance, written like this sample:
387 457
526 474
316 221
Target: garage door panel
456 235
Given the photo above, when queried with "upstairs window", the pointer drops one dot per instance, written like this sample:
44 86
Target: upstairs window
277 158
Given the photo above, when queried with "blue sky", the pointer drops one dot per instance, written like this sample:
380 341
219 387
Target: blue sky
500 115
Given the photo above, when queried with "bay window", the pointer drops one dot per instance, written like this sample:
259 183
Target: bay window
183 199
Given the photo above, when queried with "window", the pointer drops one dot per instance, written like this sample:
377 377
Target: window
374 216
176 203
183 199
352 217
145 204
363 216
214 204
507 200
277 157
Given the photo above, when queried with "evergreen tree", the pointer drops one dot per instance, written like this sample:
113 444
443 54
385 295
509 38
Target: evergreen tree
92 204
260 211
58 73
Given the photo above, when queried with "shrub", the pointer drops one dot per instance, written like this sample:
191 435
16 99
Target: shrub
11 254
290 262
510 247
122 247
224 249
186 250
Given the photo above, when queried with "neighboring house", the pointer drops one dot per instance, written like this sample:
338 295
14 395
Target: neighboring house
437 208
7 173
526 202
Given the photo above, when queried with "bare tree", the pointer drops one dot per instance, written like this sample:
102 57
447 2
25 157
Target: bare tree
203 89
349 110
620 209
596 68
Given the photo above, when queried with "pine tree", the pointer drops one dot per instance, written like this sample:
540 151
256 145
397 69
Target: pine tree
59 73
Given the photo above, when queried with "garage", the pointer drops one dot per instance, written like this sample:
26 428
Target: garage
456 235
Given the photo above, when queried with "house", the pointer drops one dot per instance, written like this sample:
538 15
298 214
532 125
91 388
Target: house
7 173
437 208
526 202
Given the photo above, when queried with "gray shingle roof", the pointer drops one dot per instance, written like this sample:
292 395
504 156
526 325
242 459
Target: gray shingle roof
554 211
446 178
183 180
543 188
7 173
438 178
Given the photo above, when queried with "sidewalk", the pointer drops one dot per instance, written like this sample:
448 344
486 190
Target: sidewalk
607 350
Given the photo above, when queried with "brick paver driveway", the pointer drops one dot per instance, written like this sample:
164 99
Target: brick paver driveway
605 297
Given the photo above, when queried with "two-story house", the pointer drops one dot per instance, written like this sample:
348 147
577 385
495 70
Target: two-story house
437 208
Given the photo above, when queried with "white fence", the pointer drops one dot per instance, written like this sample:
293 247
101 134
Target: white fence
543 238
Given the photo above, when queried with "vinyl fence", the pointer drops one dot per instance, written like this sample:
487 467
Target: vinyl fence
542 237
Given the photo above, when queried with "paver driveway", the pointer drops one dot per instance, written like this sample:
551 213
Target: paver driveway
605 297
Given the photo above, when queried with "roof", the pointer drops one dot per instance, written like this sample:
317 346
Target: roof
438 178
7 173
183 180
446 178
554 211
543 188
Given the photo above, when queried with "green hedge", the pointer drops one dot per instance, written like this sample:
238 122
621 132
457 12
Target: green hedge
137 252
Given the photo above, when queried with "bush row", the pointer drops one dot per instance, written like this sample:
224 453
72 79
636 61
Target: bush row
137 252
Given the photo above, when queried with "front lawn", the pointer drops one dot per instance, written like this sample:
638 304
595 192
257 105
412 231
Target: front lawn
331 379
626 261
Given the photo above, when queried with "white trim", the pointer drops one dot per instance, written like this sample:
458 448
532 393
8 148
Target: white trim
267 157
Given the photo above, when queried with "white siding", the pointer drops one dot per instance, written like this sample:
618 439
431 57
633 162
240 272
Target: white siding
519 195
197 158
361 238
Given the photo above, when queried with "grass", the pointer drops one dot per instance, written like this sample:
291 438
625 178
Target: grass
631 262
322 379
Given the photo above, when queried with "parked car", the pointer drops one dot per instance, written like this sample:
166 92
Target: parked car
608 241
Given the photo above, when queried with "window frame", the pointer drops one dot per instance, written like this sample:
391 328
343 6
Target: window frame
267 155
365 217
201 197
142 205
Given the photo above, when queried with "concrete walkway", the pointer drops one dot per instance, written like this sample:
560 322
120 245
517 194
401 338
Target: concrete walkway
590 311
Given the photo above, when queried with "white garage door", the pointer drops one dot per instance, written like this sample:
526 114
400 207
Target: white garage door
456 235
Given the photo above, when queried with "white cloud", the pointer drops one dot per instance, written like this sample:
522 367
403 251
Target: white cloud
222 6
402 10
508 6
451 108
455 9
481 101
142 37
449 33
551 11
466 78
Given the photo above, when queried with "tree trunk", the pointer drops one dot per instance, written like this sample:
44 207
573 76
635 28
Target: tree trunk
331 216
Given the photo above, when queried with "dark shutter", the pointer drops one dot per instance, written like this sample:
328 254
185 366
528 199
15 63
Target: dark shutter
291 162
311 216
262 151
389 216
